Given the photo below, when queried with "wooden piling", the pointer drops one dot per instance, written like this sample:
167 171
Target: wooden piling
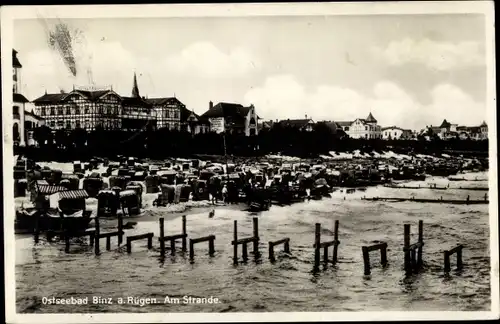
120 229
286 246
255 236
162 234
191 249
383 255
150 243
235 246
184 231
325 255
129 245
421 241
271 251
172 247
245 252
407 259
97 232
336 245
459 259
317 242
447 266
366 260
211 247
108 243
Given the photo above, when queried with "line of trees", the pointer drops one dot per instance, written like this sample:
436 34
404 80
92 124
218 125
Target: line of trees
78 144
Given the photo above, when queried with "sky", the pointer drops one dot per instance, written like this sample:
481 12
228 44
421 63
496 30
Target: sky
407 70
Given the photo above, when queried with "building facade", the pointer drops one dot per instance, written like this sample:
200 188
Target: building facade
24 120
448 131
306 124
103 108
361 128
394 132
232 118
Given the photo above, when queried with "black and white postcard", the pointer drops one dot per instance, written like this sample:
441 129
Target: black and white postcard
250 162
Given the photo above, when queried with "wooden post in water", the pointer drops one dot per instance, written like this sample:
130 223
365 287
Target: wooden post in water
286 247
336 245
184 231
150 243
317 242
97 233
271 251
211 247
191 249
407 259
459 259
256 236
172 247
162 234
383 255
108 243
235 246
120 229
245 252
447 266
325 255
421 241
366 260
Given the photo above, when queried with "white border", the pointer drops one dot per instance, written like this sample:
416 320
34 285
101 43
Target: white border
8 14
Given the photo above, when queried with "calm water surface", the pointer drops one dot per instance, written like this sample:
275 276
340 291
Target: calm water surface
46 270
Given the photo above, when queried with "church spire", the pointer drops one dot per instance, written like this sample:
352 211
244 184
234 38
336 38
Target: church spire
135 89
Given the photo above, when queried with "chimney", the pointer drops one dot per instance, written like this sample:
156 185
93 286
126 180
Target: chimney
306 116
210 105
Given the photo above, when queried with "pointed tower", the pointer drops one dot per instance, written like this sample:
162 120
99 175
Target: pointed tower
371 119
135 88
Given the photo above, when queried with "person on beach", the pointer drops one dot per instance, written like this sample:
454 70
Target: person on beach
224 193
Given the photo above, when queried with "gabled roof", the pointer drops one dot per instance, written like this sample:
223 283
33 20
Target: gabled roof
227 110
343 123
445 124
295 122
483 124
186 114
163 101
17 97
51 98
15 60
58 97
135 101
395 127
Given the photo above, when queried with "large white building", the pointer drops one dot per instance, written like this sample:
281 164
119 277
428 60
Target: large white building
232 118
361 128
394 132
24 120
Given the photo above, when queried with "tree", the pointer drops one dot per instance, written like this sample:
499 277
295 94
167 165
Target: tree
43 135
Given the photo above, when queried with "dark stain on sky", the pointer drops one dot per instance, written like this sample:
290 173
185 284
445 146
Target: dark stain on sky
60 39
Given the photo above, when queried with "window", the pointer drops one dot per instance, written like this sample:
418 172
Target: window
346 128
59 111
68 124
77 110
366 127
15 110
52 124
87 110
77 124
42 111
68 110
